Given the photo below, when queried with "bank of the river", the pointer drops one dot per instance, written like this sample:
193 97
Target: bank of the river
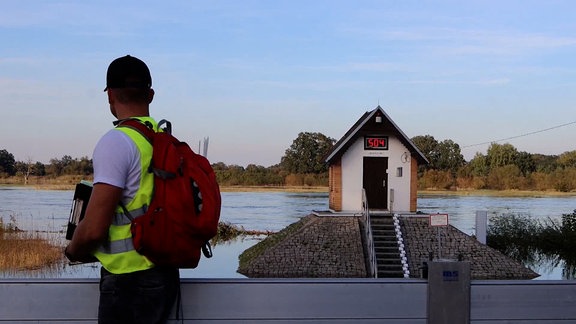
273 189
45 183
498 193
69 183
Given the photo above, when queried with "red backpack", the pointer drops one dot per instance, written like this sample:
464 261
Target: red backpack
185 208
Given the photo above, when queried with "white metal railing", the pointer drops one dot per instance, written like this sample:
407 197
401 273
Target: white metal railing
369 239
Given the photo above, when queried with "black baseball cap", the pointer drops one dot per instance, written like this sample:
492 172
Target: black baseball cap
128 72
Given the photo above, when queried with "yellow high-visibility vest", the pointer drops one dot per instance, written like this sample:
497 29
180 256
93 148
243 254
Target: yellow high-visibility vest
118 255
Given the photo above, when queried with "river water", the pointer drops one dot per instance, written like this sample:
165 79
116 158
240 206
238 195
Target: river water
47 211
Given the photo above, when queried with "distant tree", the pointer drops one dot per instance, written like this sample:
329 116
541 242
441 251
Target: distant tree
479 165
258 175
545 163
7 163
230 175
68 165
428 145
567 159
449 157
499 155
83 166
443 156
525 163
219 166
306 153
55 167
25 169
254 175
39 169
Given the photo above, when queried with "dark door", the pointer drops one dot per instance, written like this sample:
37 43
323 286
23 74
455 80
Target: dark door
375 182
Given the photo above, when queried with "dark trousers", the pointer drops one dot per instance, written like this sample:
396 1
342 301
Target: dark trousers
140 297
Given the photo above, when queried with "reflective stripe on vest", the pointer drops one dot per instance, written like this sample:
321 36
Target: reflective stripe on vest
121 218
120 246
117 255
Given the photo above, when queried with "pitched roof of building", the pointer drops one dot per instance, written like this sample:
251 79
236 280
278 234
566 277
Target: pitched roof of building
367 125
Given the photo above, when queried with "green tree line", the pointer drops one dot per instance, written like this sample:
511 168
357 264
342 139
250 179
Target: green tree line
502 167
302 165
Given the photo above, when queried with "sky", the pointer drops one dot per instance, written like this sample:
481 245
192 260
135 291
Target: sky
251 75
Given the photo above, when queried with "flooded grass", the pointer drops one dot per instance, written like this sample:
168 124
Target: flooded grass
228 232
24 251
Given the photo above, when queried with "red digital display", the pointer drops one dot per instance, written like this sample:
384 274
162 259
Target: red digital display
376 142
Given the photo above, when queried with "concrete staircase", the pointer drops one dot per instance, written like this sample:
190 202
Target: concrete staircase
386 246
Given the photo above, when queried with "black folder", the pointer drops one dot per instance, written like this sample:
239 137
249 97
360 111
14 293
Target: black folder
79 204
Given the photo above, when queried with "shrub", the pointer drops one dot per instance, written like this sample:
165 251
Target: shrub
514 235
435 179
505 177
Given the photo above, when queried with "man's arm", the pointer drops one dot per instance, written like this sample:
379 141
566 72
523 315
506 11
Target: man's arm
93 229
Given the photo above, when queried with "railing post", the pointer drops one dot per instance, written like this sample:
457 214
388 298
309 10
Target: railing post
391 200
369 239
481 225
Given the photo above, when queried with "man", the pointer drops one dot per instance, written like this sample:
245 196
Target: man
132 289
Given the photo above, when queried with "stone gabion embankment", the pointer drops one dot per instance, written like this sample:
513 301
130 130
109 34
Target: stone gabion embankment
421 241
317 247
332 247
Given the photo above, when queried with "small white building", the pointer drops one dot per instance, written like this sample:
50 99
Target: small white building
377 156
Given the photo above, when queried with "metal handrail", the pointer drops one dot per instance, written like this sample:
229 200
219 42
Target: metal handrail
369 239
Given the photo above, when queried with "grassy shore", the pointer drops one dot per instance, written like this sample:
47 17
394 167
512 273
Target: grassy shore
498 193
69 183
301 189
273 189
45 183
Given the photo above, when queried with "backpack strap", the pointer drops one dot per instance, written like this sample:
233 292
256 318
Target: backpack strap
145 129
168 128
